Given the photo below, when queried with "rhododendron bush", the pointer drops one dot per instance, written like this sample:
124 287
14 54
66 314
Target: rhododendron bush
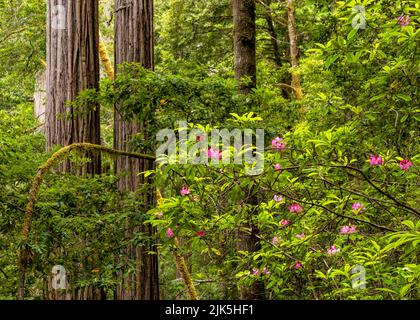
325 212
303 193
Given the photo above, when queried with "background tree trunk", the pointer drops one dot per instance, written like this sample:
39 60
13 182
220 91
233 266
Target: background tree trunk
245 66
293 49
72 66
134 43
272 33
40 99
244 43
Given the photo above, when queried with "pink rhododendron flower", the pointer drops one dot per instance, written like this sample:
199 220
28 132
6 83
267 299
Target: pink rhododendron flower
284 222
405 164
275 241
300 235
376 160
200 233
277 167
255 272
348 229
265 271
333 250
403 21
277 198
214 153
184 191
297 265
295 208
278 143
357 207
169 233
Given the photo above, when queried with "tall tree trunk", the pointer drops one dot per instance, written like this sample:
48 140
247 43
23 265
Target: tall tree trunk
72 66
272 33
293 49
134 43
244 44
245 67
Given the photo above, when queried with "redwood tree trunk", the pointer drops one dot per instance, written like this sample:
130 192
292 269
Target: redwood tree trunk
245 67
244 44
134 43
72 66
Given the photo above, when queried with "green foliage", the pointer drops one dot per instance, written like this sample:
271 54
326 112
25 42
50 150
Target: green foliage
360 99
20 153
22 46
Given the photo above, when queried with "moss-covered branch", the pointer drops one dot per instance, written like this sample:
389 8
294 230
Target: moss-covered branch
183 269
106 61
55 159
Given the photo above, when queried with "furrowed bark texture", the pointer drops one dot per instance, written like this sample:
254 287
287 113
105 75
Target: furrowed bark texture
134 43
72 66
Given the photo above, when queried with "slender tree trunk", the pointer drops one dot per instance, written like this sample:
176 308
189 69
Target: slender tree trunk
293 49
39 99
134 43
245 67
72 66
244 44
272 33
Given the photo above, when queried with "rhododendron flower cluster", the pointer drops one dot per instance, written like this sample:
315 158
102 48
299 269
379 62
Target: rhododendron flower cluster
403 21
277 167
284 222
214 153
257 272
184 191
200 233
348 230
357 207
376 160
295 208
169 233
278 143
405 164
300 235
277 198
275 241
333 250
297 265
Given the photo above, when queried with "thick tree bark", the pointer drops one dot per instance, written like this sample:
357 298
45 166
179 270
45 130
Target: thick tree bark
134 43
72 66
244 44
245 67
